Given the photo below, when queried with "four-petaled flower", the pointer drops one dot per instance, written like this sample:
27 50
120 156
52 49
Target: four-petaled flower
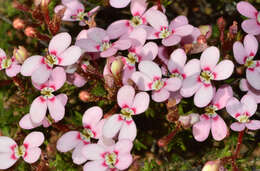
11 66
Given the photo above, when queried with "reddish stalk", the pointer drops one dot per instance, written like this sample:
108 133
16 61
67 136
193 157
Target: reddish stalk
159 5
166 139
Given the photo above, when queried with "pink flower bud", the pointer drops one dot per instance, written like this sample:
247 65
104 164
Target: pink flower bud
206 30
84 96
212 166
30 32
18 24
117 66
20 54
185 121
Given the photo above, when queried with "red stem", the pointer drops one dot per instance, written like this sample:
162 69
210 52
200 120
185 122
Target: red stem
159 5
166 139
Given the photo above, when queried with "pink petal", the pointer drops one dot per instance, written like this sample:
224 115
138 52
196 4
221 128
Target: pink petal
68 141
34 139
88 45
125 96
251 26
13 70
41 74
6 160
246 9
93 151
251 44
251 77
203 96
92 116
150 68
94 166
106 141
253 125
138 37
250 104
98 129
122 44
128 131
97 34
149 51
119 3
176 96
141 80
223 94
236 126
63 98
219 128
112 126
161 95
57 78
59 42
171 40
233 107
177 59
38 109
123 146
56 109
5 144
77 156
26 122
184 30
141 102
30 65
239 52
2 53
117 29
178 21
127 73
124 161
190 85
93 11
223 70
255 94
173 84
138 7
58 8
243 85
200 130
33 154
109 52
70 56
156 19
209 58
192 67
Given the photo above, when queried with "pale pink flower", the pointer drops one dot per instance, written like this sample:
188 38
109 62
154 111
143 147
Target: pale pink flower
119 3
245 86
10 152
131 105
59 53
76 140
98 41
48 100
200 73
242 111
251 25
149 77
75 11
11 66
170 34
27 123
244 55
104 158
210 120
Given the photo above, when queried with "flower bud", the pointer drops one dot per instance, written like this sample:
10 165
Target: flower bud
84 96
212 166
185 121
117 66
206 30
20 54
18 24
30 32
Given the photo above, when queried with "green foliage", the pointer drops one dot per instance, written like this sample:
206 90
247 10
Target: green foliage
150 165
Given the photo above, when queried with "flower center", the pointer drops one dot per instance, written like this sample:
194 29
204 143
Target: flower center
51 59
105 45
136 21
80 15
88 133
250 63
206 76
19 151
157 84
211 110
6 63
132 58
126 113
164 33
244 118
86 136
176 75
111 159
47 92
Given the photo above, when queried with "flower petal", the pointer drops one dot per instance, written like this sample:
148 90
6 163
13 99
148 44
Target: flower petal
149 51
38 109
173 84
200 130
236 126
138 7
219 128
5 144
141 102
119 3
192 67
138 37
209 58
109 52
63 98
68 141
177 59
223 94
178 21
30 65
171 40
156 19
32 155
243 85
41 74
57 78
117 29
250 104
251 26
251 44
184 30
246 9
94 166
92 116
88 45
161 95
253 125
6 160
125 96
203 96
141 80
190 85
34 139
251 77
112 126
77 155
93 151
223 70
13 70
150 68
56 109
233 107
122 44
27 123
70 56
59 43
128 131
123 146
239 52
124 161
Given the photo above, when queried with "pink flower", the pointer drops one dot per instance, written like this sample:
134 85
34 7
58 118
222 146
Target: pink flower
251 25
75 11
11 66
114 157
245 86
10 152
27 123
201 72
131 105
59 53
76 140
170 34
211 120
242 111
47 99
119 3
149 77
98 41
244 54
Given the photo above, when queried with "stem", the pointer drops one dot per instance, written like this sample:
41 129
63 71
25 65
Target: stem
159 5
166 139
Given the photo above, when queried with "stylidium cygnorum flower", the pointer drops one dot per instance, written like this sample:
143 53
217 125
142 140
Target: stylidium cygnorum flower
11 66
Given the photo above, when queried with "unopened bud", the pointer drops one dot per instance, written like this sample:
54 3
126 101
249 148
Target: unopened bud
212 166
206 30
84 96
18 24
20 54
117 66
185 121
221 22
30 32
